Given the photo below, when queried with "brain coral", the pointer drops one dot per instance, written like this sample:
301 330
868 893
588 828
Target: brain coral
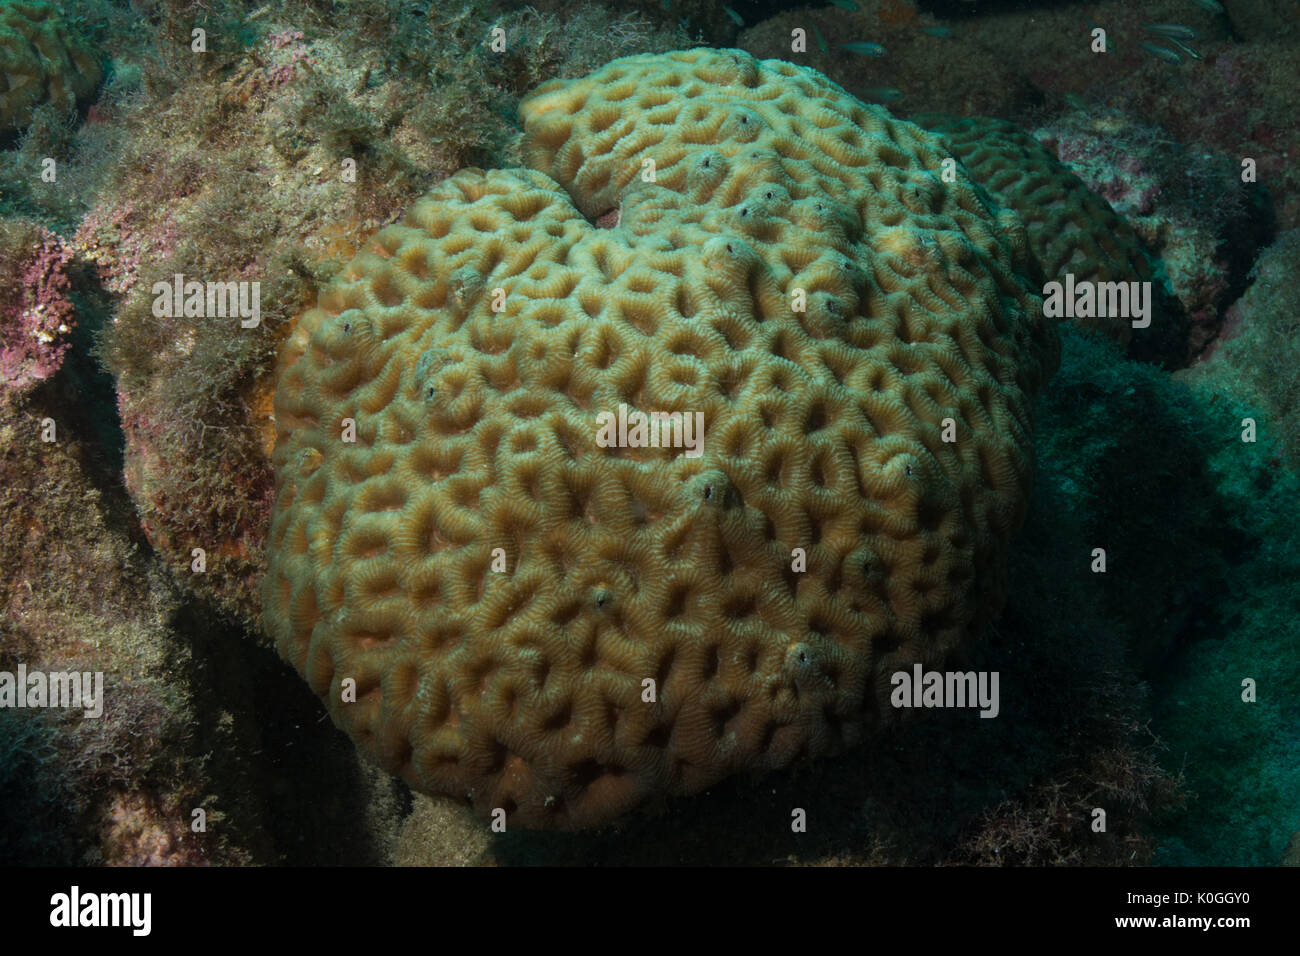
40 62
1071 229
540 623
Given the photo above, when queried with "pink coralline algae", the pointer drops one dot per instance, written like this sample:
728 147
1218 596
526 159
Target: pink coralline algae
284 38
1185 204
288 50
138 832
119 240
36 315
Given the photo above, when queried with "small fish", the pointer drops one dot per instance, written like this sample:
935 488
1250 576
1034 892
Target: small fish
666 4
1076 101
1173 31
882 94
864 48
821 40
1185 48
1211 5
937 31
848 5
1161 52
736 17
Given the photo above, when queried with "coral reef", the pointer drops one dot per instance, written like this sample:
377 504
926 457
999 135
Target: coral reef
1201 547
1191 209
1258 348
79 594
1240 757
1070 228
36 314
919 72
952 790
475 446
41 61
1121 689
1075 646
194 411
326 122
195 716
1236 100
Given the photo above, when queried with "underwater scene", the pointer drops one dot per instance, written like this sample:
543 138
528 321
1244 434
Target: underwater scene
664 432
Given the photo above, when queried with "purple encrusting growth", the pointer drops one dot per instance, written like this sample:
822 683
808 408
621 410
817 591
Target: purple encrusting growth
36 315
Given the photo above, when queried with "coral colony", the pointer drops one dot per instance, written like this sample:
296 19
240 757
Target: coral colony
738 287
716 428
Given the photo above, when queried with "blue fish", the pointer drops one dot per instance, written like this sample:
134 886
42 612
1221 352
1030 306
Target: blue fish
1161 53
821 40
739 20
1173 31
846 5
1211 5
864 48
937 31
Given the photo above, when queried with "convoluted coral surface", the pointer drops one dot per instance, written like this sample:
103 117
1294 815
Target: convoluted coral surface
539 621
40 62
1071 229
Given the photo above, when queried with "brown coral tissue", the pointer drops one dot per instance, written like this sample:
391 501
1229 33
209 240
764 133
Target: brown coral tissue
505 598
40 62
